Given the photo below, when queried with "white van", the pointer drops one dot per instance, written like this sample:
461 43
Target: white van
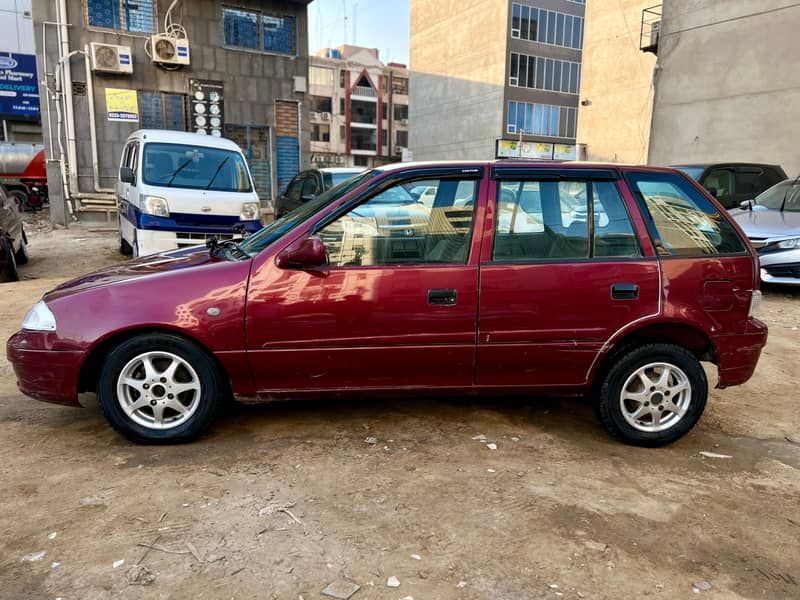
176 189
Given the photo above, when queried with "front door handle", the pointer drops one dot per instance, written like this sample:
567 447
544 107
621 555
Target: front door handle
446 297
625 291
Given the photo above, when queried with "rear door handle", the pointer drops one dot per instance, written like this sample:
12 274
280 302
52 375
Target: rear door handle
625 291
446 297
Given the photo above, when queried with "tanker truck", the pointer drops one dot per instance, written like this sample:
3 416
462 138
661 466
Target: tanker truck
22 172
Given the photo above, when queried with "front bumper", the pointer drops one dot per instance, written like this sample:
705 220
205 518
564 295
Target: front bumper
738 354
780 267
47 375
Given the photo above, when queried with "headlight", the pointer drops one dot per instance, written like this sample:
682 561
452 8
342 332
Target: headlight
39 318
789 244
251 211
153 205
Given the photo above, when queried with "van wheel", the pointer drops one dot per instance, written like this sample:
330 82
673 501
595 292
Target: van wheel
21 256
160 389
8 271
653 395
124 247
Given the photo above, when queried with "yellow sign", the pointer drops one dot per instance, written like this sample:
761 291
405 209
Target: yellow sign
122 105
512 149
565 152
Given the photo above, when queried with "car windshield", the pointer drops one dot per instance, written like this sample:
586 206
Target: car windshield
693 172
195 167
773 198
260 240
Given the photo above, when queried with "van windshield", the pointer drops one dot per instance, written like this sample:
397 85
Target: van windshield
195 167
255 243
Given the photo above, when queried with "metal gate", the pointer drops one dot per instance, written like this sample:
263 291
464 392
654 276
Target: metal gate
255 141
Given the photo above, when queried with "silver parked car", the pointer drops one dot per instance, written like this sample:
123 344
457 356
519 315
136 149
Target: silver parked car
772 223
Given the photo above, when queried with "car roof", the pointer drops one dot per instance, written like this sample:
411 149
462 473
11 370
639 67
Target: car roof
183 137
723 164
334 170
517 163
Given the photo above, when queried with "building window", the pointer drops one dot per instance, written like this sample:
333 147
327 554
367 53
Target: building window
401 139
400 112
320 76
341 106
254 30
384 111
541 119
135 16
320 133
320 104
360 161
162 111
384 138
342 133
341 79
546 26
400 85
547 74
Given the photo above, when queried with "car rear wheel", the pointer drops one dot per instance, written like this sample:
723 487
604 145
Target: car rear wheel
20 197
21 255
160 388
8 271
653 395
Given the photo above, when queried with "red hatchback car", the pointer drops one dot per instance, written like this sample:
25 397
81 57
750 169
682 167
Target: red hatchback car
458 278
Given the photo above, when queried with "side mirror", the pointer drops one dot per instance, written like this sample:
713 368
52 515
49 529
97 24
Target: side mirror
126 175
307 197
305 253
712 191
746 205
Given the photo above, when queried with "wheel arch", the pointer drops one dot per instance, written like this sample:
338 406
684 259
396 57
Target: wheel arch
693 339
95 359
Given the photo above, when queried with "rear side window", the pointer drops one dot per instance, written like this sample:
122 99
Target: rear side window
549 220
681 220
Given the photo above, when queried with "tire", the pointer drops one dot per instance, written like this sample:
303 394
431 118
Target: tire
648 415
157 412
124 247
21 256
8 271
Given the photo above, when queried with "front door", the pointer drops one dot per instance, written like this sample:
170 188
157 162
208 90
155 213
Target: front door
396 305
564 273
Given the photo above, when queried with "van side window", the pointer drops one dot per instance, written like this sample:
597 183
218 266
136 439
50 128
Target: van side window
681 220
541 220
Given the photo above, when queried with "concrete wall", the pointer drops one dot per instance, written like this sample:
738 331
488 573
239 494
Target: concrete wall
617 80
456 83
727 86
253 81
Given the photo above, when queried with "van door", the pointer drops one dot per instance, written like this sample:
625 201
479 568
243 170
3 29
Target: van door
127 195
565 271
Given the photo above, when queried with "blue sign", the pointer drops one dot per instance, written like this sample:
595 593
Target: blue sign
19 89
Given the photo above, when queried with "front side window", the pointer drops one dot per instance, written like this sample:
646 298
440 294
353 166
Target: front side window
550 220
195 167
254 30
784 196
410 223
681 220
135 16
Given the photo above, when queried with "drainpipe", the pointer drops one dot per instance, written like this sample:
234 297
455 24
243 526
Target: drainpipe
69 113
93 127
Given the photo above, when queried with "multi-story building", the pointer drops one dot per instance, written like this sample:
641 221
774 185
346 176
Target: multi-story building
495 78
19 96
358 108
236 69
727 86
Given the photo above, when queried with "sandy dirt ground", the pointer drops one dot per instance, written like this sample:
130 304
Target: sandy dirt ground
279 501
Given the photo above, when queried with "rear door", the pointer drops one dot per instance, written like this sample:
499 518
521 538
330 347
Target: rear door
562 269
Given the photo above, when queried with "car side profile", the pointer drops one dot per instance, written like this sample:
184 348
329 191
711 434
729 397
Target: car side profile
309 184
13 241
422 278
734 183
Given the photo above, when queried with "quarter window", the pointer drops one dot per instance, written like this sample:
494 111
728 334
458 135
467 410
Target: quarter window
413 222
681 220
255 30
547 220
135 16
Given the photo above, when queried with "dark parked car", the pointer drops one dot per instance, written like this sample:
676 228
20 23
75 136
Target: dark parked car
309 184
485 284
733 183
13 242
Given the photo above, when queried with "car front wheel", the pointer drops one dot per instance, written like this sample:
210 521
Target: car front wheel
160 388
653 395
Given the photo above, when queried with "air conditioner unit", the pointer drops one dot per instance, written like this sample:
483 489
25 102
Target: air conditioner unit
326 116
655 32
109 58
403 121
168 50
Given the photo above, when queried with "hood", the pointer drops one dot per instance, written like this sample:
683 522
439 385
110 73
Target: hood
156 265
767 223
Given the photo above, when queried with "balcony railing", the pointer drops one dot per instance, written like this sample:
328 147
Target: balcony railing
650 31
365 91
